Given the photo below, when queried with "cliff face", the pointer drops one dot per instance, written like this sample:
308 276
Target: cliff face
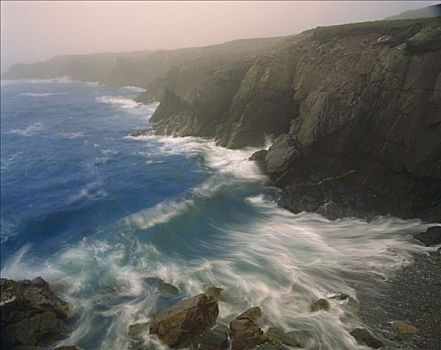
354 112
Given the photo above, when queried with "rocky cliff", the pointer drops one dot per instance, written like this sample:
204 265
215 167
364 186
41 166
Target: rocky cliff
177 69
354 112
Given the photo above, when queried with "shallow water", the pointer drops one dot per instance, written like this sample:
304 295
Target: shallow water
96 212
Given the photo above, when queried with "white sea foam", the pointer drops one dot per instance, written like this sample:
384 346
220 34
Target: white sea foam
42 94
129 105
133 88
73 135
27 131
91 191
161 213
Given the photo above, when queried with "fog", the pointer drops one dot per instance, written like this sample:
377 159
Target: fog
33 31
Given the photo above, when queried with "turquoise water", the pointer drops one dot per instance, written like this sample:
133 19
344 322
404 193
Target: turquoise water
97 212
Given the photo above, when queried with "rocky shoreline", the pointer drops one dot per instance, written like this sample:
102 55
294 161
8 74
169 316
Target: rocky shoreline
402 313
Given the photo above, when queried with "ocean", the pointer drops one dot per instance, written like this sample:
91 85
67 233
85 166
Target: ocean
101 214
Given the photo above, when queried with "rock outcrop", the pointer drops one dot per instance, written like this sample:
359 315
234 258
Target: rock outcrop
354 112
180 324
431 236
31 315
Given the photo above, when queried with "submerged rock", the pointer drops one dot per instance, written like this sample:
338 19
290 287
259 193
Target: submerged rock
276 335
321 304
215 292
215 338
161 286
364 337
430 237
31 315
181 323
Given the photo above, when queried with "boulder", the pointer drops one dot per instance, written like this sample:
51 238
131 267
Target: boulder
364 337
430 237
215 292
245 334
258 156
215 338
31 315
252 314
320 304
181 323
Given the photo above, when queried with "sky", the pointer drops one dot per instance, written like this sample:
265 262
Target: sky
37 30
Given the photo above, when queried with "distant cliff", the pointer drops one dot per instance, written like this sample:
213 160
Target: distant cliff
354 112
175 68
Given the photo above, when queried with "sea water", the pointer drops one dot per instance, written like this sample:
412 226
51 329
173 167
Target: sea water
98 213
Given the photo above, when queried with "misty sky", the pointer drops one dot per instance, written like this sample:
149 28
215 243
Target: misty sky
33 31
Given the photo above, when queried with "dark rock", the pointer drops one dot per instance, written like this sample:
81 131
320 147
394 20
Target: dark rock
364 337
180 324
431 236
215 292
140 132
245 334
340 296
168 288
66 348
252 314
319 305
161 286
259 156
31 315
215 338
280 155
276 335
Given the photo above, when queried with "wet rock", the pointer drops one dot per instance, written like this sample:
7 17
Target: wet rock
319 305
347 300
276 335
138 329
167 288
215 338
161 286
215 292
259 156
31 315
405 328
364 337
430 237
340 296
245 334
181 323
252 314
66 348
